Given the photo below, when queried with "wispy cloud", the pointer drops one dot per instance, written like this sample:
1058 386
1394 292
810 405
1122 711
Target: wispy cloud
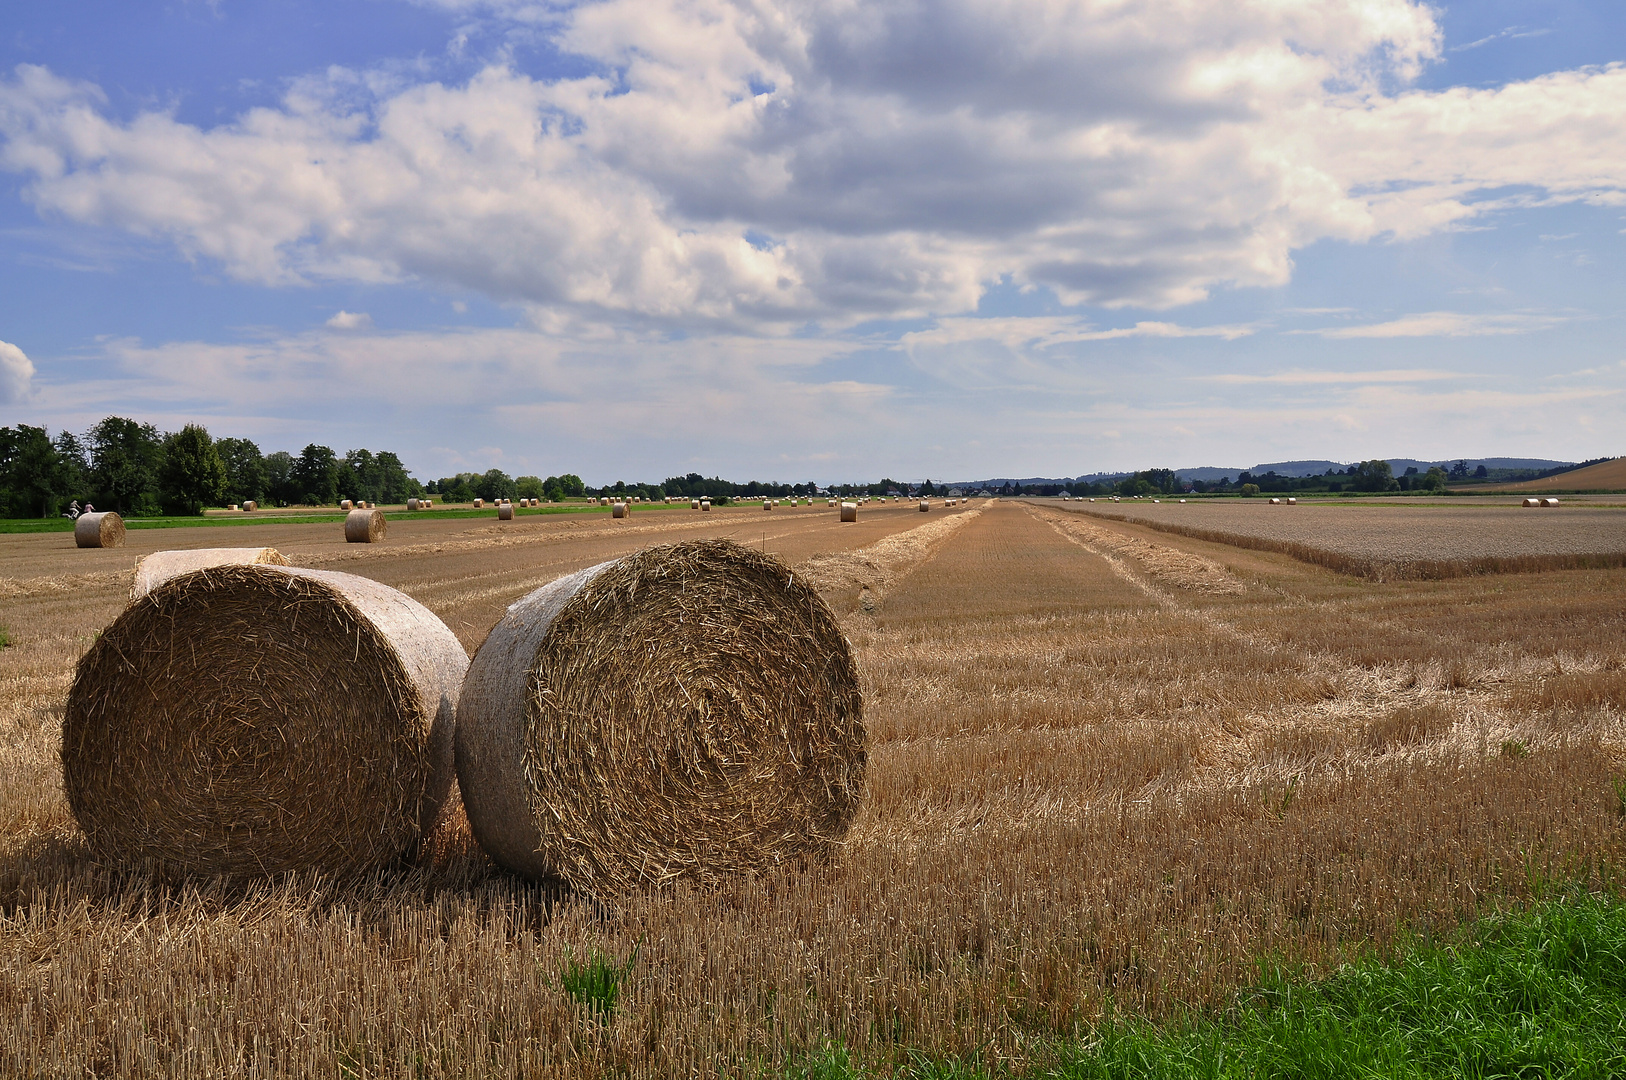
1332 378
1507 33
1443 324
1044 332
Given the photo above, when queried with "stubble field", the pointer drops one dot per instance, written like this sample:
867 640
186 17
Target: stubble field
1397 538
1105 762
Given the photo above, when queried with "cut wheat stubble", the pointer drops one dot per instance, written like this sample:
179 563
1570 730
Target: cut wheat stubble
688 712
251 719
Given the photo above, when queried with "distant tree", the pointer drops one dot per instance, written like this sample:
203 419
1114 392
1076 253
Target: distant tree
316 476
33 480
124 460
927 489
192 475
1433 480
495 484
75 462
530 487
1375 475
357 477
1481 473
245 470
1459 471
279 478
1249 490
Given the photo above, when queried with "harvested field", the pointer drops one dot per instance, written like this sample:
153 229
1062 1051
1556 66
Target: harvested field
1088 775
1395 539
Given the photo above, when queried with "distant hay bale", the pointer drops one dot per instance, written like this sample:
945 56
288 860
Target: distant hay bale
694 504
1532 502
575 761
412 504
427 504
505 512
346 504
618 510
925 507
233 506
250 506
849 511
153 570
256 719
102 530
766 505
479 504
1549 502
1290 502
364 526
705 504
1275 502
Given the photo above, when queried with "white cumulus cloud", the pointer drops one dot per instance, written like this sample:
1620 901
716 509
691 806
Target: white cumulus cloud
16 374
350 320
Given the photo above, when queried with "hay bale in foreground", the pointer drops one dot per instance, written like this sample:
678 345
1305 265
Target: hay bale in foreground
153 570
505 512
618 510
576 760
849 511
256 719
103 530
364 526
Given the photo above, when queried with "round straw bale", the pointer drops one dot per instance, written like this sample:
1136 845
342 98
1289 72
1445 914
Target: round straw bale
925 507
766 505
412 504
479 504
153 570
576 762
849 511
694 504
1275 502
251 505
618 510
1549 502
1290 502
346 504
233 506
705 504
257 719
364 526
505 512
1532 502
102 530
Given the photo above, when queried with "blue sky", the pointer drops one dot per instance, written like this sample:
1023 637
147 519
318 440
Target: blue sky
821 241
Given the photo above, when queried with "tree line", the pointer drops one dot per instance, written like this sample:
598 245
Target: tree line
124 465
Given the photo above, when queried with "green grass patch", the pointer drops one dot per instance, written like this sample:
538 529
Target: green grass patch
1535 993
596 981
